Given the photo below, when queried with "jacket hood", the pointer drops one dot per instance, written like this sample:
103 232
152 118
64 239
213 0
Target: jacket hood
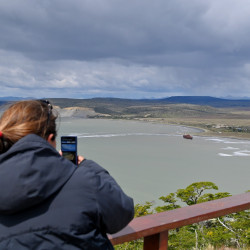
30 172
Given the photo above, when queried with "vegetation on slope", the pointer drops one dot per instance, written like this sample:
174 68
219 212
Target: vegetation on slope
233 120
219 117
232 230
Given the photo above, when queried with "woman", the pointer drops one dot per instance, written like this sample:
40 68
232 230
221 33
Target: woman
46 202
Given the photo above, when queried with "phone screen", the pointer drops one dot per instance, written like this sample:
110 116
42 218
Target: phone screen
69 148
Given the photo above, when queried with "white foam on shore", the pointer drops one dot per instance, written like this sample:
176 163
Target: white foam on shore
215 140
230 148
227 141
236 142
236 153
224 155
242 153
119 135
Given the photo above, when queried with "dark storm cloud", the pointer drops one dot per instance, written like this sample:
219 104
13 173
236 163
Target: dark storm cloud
125 48
85 30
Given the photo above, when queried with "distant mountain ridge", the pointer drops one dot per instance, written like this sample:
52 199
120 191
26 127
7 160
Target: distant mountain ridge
209 101
196 100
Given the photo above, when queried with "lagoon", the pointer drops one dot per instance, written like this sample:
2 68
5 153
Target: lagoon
150 160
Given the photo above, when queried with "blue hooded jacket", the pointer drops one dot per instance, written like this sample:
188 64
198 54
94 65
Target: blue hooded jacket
46 202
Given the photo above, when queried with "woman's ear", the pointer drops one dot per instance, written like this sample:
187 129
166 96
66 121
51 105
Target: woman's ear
52 140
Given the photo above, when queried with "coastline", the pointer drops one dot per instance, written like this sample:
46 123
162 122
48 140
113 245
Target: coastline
209 126
205 132
226 123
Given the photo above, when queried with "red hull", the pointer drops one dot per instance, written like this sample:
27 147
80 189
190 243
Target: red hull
188 137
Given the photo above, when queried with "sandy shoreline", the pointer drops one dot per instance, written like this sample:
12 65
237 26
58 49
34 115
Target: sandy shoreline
204 131
197 123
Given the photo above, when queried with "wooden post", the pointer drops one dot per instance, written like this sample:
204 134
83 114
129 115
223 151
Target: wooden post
156 241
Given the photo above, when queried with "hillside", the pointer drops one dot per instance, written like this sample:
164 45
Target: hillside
196 100
217 116
172 107
119 102
190 107
208 100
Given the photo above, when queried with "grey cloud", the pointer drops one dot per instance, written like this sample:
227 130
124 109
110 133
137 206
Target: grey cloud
122 48
118 79
85 30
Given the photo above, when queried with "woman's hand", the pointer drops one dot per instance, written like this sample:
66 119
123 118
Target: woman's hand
80 158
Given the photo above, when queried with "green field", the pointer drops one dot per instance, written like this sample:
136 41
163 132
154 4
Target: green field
229 120
218 117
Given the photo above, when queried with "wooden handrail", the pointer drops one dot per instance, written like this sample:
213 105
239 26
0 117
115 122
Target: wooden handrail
154 228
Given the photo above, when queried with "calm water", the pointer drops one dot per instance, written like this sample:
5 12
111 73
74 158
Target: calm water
151 160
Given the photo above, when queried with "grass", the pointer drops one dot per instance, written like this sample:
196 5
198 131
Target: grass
227 121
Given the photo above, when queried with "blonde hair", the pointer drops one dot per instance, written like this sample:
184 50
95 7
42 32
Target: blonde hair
26 117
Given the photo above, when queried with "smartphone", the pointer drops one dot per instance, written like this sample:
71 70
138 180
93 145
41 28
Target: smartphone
69 148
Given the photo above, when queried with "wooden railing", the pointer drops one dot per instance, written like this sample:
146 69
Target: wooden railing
154 228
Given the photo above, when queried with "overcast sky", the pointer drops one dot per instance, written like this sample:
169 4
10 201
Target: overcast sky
128 49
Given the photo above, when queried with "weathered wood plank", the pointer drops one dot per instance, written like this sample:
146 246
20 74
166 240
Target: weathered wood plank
156 223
